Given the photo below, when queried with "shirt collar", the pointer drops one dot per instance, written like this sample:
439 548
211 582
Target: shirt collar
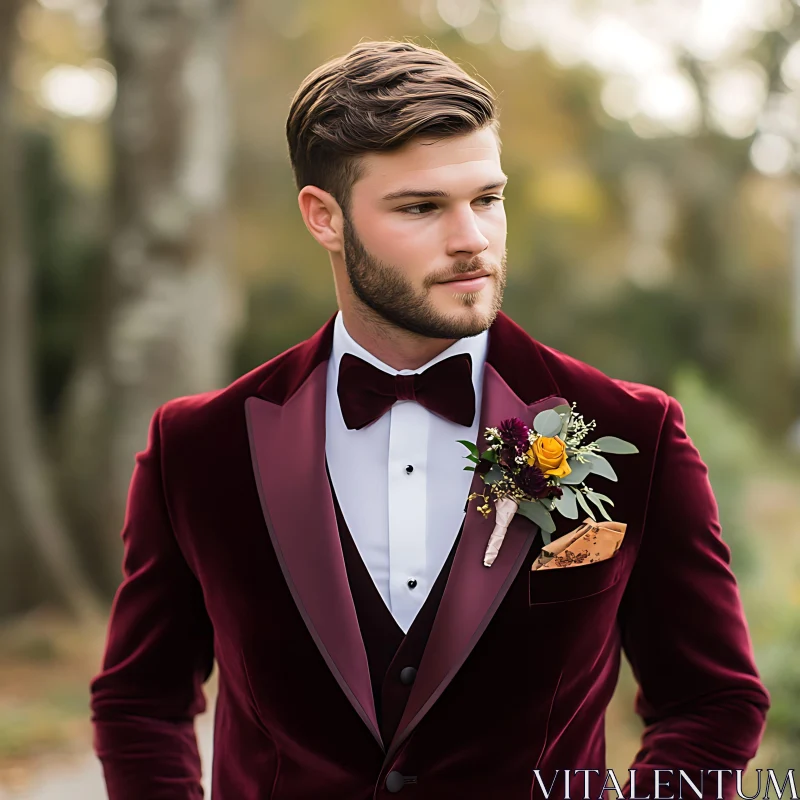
476 346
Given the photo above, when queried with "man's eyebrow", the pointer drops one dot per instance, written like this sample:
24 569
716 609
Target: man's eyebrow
439 192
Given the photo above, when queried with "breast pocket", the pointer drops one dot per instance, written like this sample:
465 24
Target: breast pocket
572 583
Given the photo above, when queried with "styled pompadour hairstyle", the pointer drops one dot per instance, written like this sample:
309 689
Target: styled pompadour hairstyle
377 97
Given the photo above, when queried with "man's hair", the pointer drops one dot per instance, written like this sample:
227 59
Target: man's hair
376 98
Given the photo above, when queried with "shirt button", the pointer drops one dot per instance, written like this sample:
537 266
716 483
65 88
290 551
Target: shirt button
409 469
412 583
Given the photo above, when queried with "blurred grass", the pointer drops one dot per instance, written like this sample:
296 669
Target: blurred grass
46 663
35 728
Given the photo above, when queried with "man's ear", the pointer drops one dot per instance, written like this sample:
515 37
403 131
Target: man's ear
322 216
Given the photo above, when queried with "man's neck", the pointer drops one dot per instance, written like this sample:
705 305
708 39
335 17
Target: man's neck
398 348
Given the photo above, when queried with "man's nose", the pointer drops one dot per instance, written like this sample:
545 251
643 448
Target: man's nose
465 235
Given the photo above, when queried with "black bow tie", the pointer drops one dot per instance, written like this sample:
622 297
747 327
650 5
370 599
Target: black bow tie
366 393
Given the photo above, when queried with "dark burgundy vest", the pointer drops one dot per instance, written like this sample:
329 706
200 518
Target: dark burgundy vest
390 652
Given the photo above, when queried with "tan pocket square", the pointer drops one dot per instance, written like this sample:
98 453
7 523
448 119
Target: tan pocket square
588 543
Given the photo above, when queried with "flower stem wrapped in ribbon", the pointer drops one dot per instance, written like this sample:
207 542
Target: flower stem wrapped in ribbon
505 508
540 469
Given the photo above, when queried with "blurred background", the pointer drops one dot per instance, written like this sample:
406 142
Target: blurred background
151 246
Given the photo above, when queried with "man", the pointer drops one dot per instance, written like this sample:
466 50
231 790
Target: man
309 527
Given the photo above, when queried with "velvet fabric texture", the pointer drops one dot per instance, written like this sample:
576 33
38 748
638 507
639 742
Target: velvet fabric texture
445 388
232 551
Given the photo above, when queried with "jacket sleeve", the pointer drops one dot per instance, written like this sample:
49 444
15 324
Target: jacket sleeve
159 652
685 635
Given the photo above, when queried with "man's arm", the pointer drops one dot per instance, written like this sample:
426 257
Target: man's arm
684 632
159 652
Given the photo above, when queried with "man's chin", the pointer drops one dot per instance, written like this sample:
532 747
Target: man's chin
463 323
477 316
438 320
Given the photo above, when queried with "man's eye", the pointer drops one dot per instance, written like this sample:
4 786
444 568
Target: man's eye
493 199
411 209
421 208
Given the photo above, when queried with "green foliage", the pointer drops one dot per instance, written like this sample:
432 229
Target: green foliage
66 255
539 515
780 671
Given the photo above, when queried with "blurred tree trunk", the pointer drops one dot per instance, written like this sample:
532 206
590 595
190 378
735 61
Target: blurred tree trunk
166 314
29 510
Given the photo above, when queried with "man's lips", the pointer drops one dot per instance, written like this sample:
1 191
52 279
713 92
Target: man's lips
467 276
469 282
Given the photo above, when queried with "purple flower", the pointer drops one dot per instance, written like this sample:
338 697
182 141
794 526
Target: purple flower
532 481
514 433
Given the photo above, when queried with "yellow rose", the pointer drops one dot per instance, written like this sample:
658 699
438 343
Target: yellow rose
551 454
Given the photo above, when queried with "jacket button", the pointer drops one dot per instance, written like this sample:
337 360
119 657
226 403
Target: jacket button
407 675
395 781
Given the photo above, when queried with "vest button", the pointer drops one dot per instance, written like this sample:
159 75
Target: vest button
410 468
394 781
407 675
412 583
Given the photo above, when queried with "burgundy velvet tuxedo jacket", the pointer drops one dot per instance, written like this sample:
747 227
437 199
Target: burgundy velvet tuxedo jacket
232 552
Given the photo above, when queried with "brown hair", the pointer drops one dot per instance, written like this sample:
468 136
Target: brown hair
377 97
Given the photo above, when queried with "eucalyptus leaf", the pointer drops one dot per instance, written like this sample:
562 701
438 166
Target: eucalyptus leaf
494 475
596 500
584 505
600 466
547 536
470 446
566 415
537 514
612 444
566 504
580 471
547 423
602 497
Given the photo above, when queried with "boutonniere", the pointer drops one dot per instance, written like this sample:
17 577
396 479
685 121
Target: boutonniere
540 469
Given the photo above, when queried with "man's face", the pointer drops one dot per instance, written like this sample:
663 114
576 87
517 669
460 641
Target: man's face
402 249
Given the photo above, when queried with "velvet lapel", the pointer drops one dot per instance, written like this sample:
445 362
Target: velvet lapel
287 447
286 423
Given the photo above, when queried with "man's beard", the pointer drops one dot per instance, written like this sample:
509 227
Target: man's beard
390 295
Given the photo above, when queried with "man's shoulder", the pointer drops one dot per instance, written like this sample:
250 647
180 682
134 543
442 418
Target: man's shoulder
597 393
533 369
217 409
568 370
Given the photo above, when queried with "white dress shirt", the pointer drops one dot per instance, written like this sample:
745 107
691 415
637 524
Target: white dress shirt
403 524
